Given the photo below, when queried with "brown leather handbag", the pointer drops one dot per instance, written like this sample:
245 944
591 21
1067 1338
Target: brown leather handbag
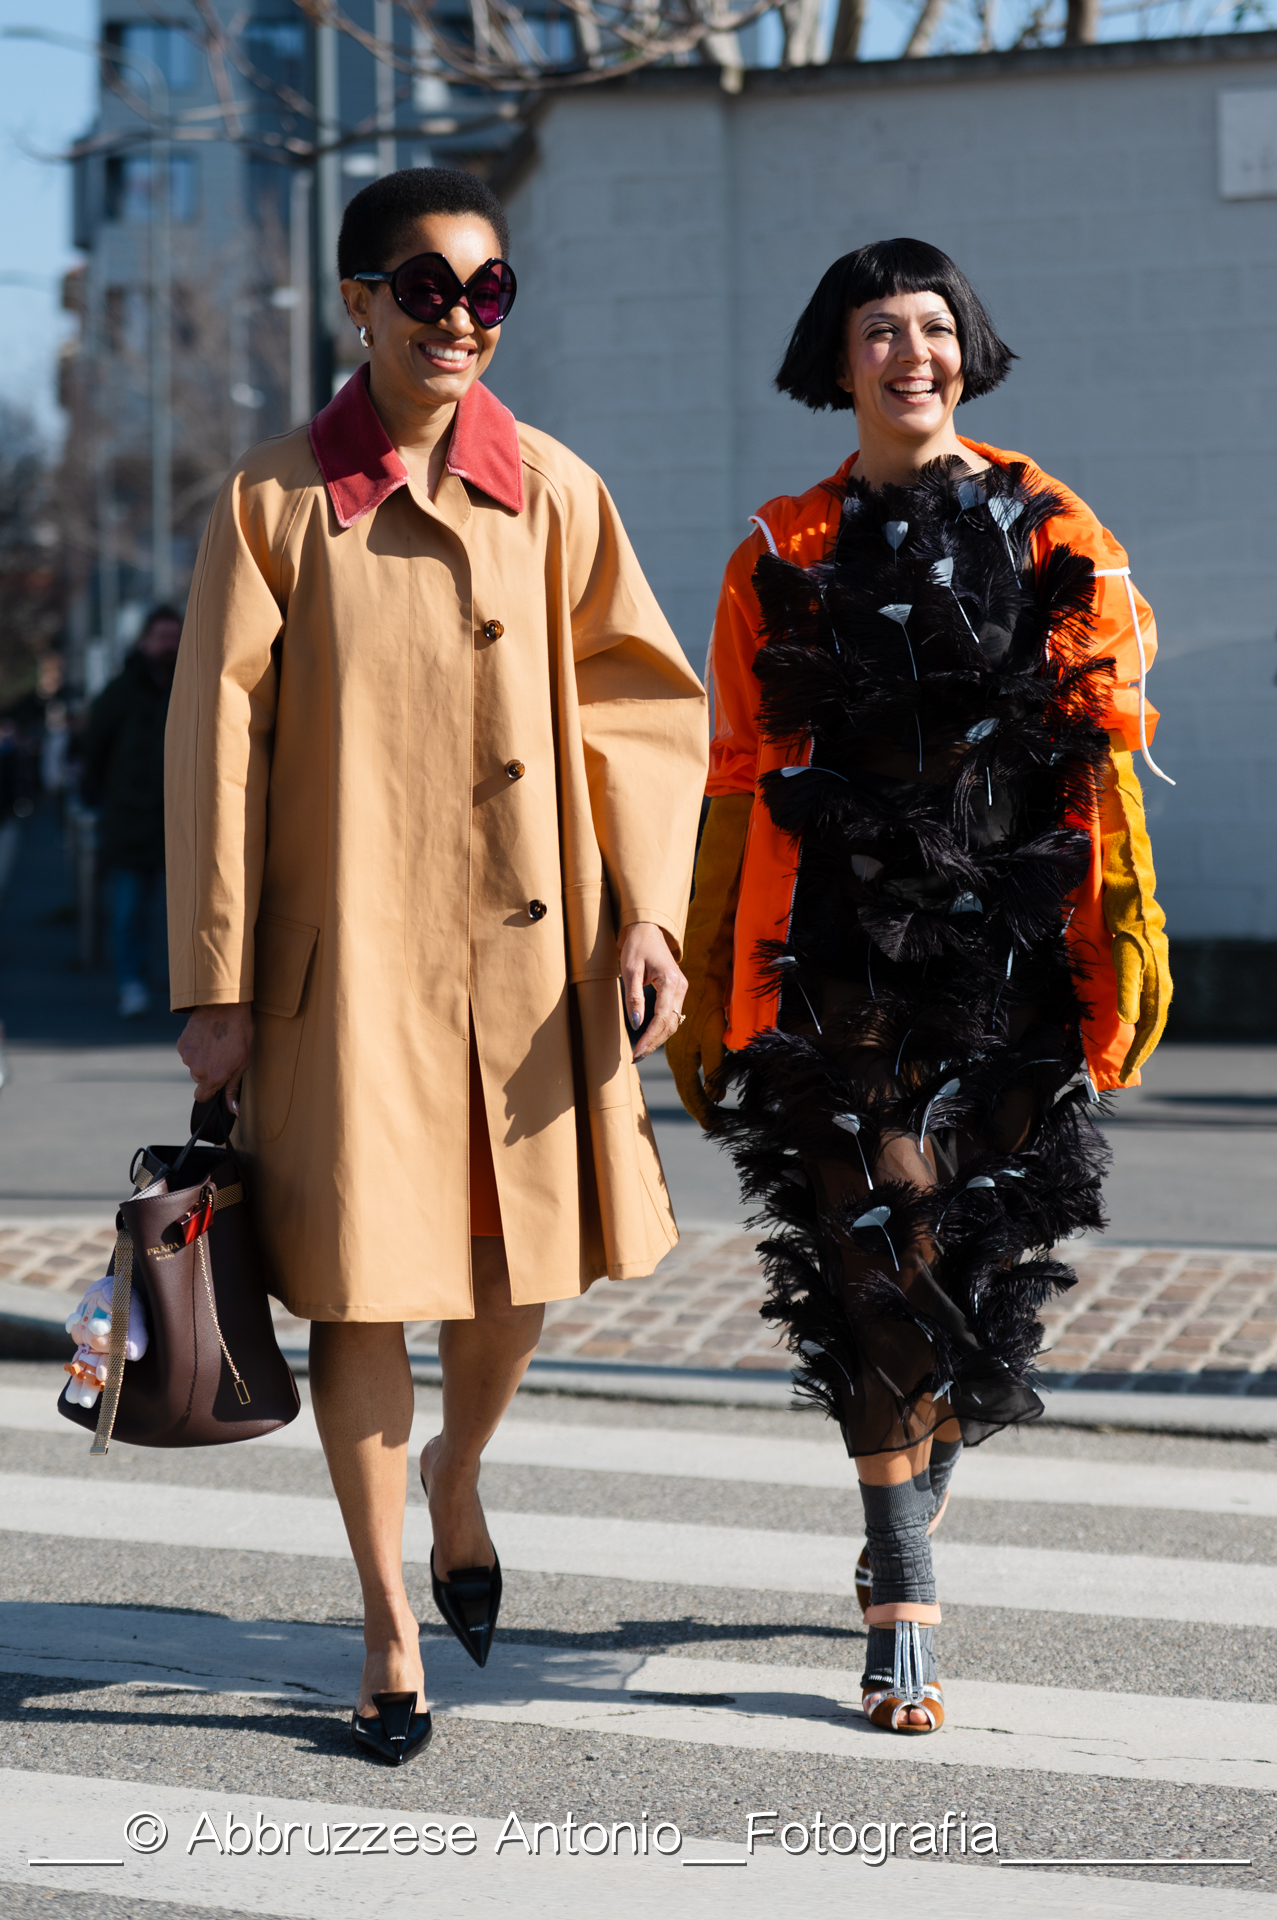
212 1371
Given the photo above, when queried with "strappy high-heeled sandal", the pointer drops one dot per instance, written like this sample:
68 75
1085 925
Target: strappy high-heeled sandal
864 1575
908 1690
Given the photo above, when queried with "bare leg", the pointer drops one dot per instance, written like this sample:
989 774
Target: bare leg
361 1391
483 1361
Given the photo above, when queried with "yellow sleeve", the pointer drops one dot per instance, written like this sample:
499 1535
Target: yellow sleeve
1141 954
697 1047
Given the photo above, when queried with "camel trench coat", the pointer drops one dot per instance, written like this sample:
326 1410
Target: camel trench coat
424 760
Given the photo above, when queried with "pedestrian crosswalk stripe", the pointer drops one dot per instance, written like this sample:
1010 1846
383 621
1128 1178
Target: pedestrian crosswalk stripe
760 1705
1133 1586
810 1463
671 1453
661 1696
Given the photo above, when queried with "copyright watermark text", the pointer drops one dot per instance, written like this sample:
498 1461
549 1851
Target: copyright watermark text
233 1836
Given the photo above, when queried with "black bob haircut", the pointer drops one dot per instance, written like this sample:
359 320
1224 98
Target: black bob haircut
809 370
380 218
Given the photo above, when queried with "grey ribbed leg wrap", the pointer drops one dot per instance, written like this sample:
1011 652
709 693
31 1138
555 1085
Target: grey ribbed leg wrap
896 1522
944 1458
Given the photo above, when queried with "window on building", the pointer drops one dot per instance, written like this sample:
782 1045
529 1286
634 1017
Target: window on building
126 316
128 188
267 191
167 47
549 25
184 309
114 319
553 32
277 48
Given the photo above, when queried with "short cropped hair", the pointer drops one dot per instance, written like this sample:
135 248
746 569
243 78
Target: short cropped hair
809 370
154 616
379 220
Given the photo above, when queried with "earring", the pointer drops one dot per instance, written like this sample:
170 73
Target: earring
363 337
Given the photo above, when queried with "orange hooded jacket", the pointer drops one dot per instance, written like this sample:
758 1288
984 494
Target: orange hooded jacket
802 528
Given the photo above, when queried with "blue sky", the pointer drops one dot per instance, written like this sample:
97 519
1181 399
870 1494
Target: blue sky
46 97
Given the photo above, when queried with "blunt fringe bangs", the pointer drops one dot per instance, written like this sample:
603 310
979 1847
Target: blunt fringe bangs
809 370
378 221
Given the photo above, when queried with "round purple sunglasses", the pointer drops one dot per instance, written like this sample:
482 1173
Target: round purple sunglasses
426 287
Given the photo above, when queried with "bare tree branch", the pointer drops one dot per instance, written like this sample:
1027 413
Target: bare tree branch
1083 24
848 27
918 45
801 22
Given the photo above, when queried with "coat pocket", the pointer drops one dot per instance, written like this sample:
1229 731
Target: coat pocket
282 965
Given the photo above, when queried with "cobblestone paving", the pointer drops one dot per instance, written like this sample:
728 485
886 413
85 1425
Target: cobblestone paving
66 1257
1134 1310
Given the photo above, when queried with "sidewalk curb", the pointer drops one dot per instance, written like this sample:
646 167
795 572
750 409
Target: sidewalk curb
1211 1416
32 1327
33 1322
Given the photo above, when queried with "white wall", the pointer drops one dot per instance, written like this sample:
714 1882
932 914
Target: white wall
666 238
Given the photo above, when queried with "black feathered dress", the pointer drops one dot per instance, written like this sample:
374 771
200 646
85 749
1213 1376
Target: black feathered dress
917 1129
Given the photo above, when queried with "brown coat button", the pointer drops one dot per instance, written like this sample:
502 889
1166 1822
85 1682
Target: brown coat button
515 769
492 629
537 909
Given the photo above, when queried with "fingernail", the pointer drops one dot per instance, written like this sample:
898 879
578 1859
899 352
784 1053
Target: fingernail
636 1021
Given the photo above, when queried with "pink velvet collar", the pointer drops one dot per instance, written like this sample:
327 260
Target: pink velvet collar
361 468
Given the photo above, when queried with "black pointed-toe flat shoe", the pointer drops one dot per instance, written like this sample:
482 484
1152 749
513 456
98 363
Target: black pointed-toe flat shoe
396 1731
470 1600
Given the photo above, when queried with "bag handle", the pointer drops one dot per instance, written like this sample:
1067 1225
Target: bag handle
211 1121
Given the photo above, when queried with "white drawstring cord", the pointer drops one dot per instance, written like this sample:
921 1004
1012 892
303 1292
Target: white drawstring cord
1124 575
1101 573
766 532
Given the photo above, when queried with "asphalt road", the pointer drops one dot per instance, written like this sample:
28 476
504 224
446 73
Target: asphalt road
1079 1724
1194 1149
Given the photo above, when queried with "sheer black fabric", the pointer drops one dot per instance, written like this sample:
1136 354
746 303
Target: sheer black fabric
918 1126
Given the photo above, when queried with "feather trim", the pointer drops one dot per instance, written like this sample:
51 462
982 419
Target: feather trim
946 683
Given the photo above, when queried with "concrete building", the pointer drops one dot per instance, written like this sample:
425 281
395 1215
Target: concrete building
1115 205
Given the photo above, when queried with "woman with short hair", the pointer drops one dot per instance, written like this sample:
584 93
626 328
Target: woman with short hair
435 762
924 936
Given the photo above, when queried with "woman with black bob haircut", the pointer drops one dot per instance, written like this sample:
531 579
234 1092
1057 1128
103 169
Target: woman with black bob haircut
924 937
810 369
434 767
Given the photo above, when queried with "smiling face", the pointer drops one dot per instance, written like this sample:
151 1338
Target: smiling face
427 365
902 364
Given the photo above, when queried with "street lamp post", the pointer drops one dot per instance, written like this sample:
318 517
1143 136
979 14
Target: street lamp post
161 343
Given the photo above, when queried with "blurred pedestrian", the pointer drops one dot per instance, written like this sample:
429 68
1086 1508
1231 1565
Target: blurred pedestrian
123 778
924 931
435 767
14 800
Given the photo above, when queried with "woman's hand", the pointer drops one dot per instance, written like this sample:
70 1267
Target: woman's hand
646 961
214 1046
